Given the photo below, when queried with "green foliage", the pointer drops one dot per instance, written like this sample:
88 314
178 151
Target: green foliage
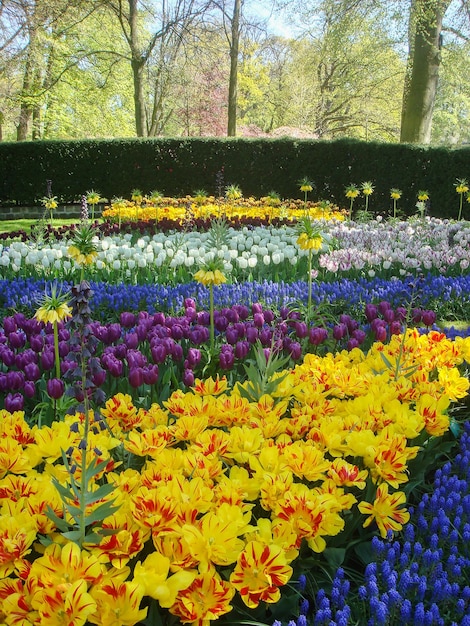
76 497
263 374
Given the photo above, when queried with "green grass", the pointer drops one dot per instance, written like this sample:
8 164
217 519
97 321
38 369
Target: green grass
9 226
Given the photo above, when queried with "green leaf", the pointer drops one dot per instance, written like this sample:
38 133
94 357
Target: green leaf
99 494
94 468
100 513
334 556
59 522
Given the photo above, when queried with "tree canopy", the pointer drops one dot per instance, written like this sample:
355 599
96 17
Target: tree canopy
386 70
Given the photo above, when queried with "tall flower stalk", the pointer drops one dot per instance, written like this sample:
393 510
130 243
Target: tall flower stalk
352 193
54 308
306 186
367 190
310 239
83 248
461 187
93 198
209 275
395 195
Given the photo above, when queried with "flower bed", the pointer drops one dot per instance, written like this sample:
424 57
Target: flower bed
213 452
205 502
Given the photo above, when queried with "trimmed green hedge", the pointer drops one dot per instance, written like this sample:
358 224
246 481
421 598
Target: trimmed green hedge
178 167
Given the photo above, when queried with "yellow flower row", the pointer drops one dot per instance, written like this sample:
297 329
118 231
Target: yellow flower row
177 209
226 484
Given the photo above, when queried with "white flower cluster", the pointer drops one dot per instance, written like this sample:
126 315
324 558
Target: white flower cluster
373 248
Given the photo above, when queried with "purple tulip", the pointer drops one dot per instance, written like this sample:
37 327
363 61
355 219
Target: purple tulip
15 380
240 328
416 315
158 352
267 353
301 329
339 331
204 318
127 319
135 358
295 350
29 389
131 340
150 374
98 377
159 318
190 313
120 351
177 352
3 383
189 303
36 342
232 316
265 336
64 334
389 315
429 317
317 335
243 311
14 402
64 348
256 307
220 323
226 357
383 306
380 333
268 316
32 372
9 325
7 356
16 340
352 343
136 377
252 334
371 312
193 358
141 332
241 349
360 335
395 328
47 358
231 335
188 378
55 388
258 320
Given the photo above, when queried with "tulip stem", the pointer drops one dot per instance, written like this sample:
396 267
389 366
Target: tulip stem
309 302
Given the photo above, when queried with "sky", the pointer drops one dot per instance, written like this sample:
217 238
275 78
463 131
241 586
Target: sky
277 23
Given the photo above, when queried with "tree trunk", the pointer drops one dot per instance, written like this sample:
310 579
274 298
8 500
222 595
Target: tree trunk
422 79
233 80
139 98
26 110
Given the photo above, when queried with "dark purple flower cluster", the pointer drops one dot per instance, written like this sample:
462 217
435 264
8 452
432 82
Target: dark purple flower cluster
149 348
421 579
